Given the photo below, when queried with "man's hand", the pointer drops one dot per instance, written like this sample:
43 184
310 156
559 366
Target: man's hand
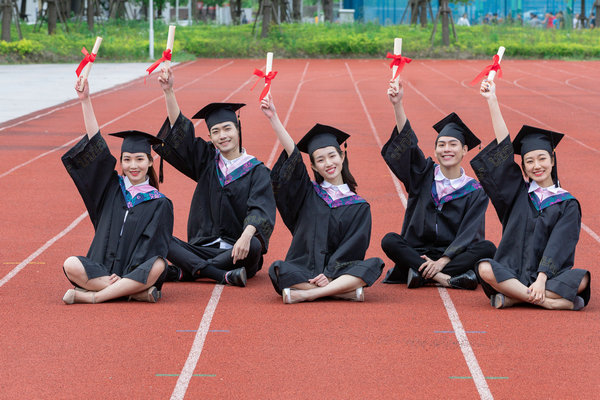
430 268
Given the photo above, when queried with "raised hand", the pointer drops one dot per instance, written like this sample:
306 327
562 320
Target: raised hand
487 89
395 91
165 78
268 107
82 88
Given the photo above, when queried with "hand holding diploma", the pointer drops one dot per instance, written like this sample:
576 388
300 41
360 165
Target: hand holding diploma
83 70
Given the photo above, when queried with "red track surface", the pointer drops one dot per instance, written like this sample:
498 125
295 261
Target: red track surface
398 344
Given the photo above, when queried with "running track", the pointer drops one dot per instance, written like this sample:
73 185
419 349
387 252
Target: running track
208 341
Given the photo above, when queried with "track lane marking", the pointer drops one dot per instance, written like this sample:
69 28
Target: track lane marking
190 365
461 336
39 251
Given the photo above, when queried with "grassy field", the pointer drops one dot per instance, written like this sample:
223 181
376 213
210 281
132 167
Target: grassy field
128 41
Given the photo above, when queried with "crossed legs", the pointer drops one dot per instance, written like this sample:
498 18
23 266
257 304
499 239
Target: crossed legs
107 288
515 292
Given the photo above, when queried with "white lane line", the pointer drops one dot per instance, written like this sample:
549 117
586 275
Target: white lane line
39 251
287 117
590 232
465 346
111 121
190 364
461 336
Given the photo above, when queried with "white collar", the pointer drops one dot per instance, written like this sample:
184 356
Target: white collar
128 182
229 162
343 188
439 176
552 189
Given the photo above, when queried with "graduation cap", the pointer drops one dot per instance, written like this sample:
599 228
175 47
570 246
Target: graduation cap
451 125
531 138
215 113
139 142
321 136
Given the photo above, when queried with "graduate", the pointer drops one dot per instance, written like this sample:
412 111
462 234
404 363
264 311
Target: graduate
444 225
232 213
540 220
330 223
133 221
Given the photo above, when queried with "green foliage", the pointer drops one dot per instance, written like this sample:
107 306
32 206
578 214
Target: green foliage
22 48
128 41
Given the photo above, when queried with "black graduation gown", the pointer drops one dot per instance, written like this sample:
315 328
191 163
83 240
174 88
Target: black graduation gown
329 237
147 231
449 225
221 207
535 237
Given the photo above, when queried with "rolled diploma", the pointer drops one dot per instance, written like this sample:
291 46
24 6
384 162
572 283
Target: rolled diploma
269 66
170 40
397 51
86 70
492 74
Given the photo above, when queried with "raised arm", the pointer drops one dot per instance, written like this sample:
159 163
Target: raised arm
396 94
167 86
488 91
268 108
89 118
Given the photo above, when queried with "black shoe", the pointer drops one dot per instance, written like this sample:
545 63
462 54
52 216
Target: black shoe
392 279
468 281
236 277
173 274
414 279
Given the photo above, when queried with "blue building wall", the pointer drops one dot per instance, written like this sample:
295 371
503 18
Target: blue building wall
389 12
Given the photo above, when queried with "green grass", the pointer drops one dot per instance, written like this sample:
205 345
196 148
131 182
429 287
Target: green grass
128 41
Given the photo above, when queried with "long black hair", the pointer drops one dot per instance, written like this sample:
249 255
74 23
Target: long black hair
346 175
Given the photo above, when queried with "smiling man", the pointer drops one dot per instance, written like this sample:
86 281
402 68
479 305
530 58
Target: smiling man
232 214
444 225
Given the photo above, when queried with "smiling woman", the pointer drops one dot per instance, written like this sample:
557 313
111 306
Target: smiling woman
330 223
133 221
541 221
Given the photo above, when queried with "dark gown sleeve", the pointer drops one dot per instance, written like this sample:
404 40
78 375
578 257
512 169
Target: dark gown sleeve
472 226
92 168
500 176
355 242
562 241
261 206
291 186
404 157
182 149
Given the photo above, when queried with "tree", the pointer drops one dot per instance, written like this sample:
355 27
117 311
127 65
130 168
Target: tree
296 10
6 19
90 13
418 11
328 10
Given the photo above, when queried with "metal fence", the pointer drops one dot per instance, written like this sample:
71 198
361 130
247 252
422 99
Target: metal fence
390 12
